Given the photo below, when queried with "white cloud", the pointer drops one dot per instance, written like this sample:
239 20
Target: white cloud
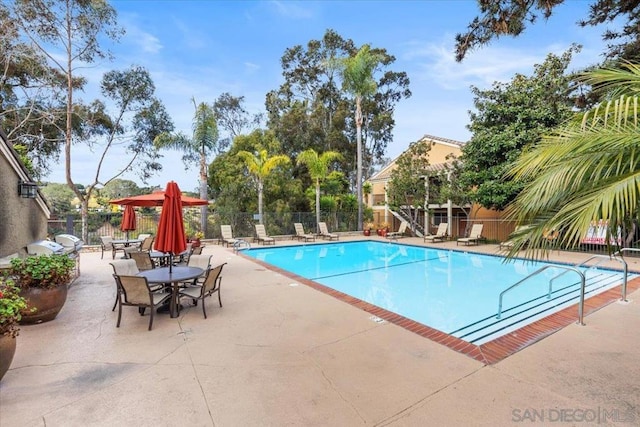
290 9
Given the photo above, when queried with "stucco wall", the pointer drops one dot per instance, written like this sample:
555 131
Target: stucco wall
21 220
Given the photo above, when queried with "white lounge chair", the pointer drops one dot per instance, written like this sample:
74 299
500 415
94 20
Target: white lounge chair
441 233
300 234
261 235
324 232
227 235
400 233
474 235
508 244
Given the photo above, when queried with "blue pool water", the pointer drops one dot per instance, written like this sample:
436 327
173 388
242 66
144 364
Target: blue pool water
452 291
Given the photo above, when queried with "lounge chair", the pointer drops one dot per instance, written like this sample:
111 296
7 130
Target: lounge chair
508 244
227 235
261 235
324 232
301 235
400 233
474 235
441 233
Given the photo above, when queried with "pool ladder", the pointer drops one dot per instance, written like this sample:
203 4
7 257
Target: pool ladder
582 281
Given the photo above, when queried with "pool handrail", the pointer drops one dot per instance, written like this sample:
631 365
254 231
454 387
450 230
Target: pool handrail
603 258
540 270
624 284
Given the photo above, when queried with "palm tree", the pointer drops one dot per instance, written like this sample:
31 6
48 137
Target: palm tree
197 148
260 166
357 79
586 171
318 166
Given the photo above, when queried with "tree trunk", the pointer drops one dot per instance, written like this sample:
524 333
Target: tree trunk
203 193
84 214
317 204
260 188
359 160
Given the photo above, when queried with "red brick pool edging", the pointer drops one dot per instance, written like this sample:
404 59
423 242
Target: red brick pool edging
487 353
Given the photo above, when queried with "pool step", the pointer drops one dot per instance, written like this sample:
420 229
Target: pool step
515 317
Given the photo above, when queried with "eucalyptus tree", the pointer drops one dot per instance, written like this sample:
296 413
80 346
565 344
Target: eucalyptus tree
318 166
309 110
202 143
586 170
511 17
260 165
123 132
68 34
358 79
232 118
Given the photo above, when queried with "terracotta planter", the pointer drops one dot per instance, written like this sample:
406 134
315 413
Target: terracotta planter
48 303
367 232
195 243
7 350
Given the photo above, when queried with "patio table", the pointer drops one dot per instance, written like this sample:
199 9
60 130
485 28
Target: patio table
127 242
172 276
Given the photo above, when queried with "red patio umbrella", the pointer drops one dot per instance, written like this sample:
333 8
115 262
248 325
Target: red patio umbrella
156 199
128 220
170 236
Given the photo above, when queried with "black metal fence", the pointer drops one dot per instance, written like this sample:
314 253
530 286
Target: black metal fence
242 223
276 224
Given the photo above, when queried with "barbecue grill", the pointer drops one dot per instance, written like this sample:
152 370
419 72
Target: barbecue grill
70 242
45 247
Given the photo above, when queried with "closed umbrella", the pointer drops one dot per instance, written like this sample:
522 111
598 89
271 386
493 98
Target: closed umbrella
170 237
128 220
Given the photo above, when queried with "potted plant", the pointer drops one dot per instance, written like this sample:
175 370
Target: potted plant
367 228
43 281
11 305
195 241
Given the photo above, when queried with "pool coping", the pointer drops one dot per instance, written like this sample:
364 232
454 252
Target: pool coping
490 352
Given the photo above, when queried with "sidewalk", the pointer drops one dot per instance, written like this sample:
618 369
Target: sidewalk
281 353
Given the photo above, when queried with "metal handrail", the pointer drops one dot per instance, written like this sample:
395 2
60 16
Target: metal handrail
604 257
624 284
538 271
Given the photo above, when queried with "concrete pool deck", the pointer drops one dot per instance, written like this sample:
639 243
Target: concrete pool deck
281 353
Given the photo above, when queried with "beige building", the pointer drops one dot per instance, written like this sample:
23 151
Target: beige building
456 217
439 155
23 210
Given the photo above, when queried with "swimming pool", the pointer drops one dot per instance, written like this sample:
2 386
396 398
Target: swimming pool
452 291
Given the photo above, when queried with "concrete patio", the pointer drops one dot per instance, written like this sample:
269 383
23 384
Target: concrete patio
281 353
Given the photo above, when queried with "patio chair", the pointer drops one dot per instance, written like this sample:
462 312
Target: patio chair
143 260
197 250
145 246
324 232
135 291
200 261
300 234
210 286
125 267
106 243
441 233
261 235
400 233
227 235
474 235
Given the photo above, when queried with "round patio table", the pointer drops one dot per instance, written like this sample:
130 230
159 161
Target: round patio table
174 276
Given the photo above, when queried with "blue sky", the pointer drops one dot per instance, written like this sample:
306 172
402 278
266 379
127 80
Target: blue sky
200 49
